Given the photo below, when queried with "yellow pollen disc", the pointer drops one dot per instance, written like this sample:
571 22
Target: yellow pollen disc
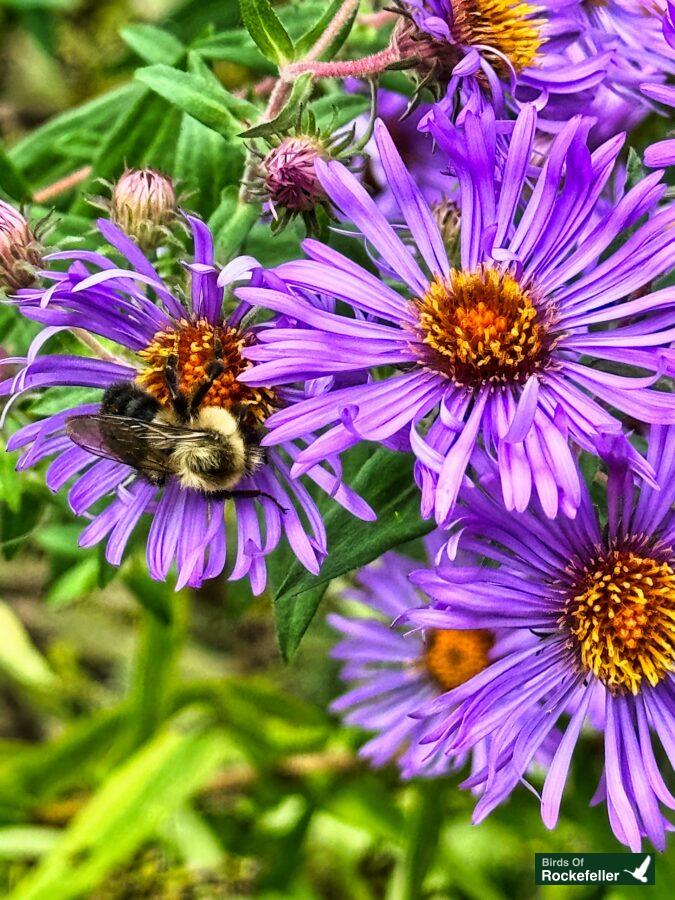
623 616
505 25
481 326
453 657
194 345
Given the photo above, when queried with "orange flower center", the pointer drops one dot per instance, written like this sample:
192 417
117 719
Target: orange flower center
482 326
195 347
453 657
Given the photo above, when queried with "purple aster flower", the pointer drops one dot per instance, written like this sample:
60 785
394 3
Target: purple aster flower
154 329
633 29
392 672
601 599
512 347
662 153
492 50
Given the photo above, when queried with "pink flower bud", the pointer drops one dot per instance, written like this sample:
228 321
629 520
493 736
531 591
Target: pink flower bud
19 250
143 205
288 171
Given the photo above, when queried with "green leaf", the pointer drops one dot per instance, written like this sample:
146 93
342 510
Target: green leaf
302 88
19 657
336 110
315 32
386 482
43 155
12 182
152 44
234 46
131 805
26 841
75 584
205 164
37 773
266 30
635 170
231 223
10 482
203 99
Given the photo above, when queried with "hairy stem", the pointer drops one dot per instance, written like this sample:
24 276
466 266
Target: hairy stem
354 68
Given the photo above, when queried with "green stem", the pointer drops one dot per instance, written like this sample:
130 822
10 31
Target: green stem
423 833
159 646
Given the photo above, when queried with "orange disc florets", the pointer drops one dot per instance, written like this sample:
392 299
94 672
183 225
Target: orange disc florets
194 347
453 657
482 326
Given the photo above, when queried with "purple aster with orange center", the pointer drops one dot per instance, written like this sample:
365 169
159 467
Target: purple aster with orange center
175 435
600 598
392 671
510 348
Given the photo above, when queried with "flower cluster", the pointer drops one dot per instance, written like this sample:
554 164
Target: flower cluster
500 308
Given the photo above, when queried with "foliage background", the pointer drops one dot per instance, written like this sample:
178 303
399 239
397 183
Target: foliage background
153 743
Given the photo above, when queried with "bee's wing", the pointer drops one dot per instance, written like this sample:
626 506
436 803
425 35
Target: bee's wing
143 445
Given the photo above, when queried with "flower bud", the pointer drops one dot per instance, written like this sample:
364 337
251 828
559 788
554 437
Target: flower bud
290 179
434 59
19 250
143 205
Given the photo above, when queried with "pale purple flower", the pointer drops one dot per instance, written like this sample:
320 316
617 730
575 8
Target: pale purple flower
511 349
392 671
135 309
601 600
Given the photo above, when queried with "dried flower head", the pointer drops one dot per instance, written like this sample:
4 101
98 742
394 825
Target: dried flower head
19 250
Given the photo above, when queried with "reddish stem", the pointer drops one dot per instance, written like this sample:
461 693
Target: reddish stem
355 68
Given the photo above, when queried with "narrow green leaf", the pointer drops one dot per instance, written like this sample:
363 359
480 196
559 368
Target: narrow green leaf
131 805
386 482
302 88
12 182
38 772
43 155
234 46
266 30
75 584
635 170
205 164
26 841
231 223
19 657
205 101
152 44
312 36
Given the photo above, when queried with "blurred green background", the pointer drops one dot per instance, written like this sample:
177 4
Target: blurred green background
152 743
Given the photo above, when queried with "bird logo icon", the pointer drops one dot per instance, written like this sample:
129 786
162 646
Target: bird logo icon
640 874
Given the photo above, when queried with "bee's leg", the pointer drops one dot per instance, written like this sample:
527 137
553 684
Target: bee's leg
254 493
214 369
178 399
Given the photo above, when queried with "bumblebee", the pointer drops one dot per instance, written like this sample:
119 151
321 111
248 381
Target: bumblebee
205 448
